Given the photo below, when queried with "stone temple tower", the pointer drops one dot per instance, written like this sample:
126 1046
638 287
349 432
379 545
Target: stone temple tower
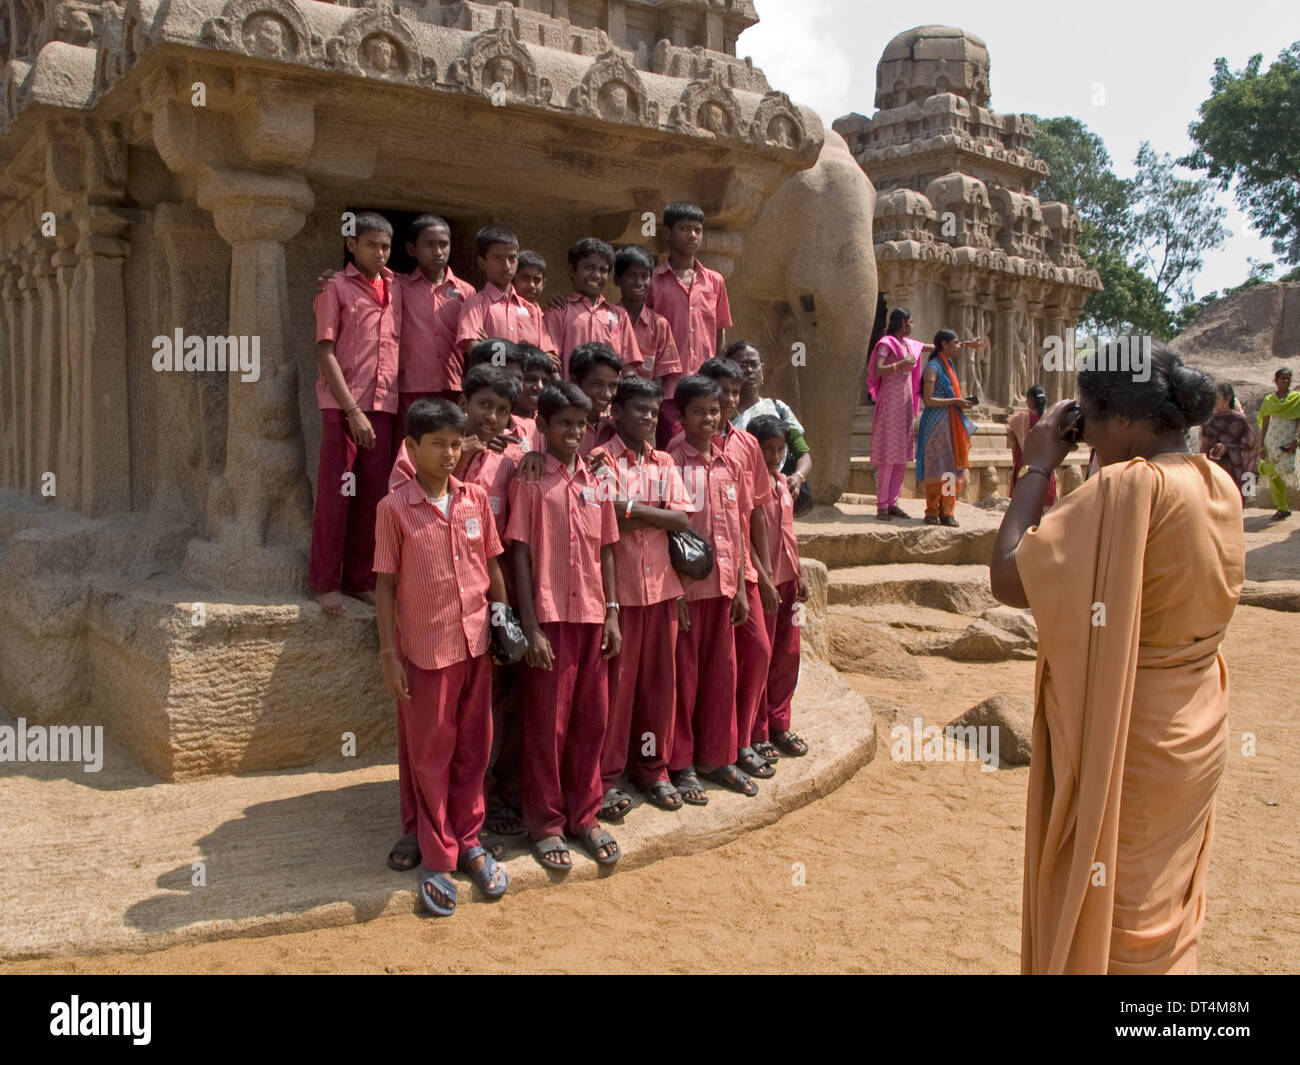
960 238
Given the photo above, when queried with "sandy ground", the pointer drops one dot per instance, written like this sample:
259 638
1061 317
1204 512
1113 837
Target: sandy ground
908 867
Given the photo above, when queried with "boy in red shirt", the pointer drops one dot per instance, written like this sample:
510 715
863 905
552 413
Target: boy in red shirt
753 650
704 732
436 560
660 362
691 296
650 501
586 315
562 536
358 334
771 734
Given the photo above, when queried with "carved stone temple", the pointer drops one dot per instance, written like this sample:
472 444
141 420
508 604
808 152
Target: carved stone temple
184 167
960 238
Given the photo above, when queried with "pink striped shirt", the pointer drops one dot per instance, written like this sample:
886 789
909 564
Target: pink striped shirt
426 351
744 449
366 335
440 566
654 338
565 523
490 470
643 572
783 547
719 494
695 314
580 321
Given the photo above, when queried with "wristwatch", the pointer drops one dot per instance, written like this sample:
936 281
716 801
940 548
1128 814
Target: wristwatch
611 606
1025 470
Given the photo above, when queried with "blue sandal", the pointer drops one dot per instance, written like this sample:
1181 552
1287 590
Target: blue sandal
490 873
444 885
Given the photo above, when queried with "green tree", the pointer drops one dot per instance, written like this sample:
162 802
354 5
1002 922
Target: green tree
1249 131
1081 176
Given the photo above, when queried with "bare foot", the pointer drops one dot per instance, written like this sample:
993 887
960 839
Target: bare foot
366 597
330 603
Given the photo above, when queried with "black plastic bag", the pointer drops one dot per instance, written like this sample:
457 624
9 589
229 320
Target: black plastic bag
509 644
691 555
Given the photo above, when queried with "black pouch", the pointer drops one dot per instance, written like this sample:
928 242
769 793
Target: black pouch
509 644
803 502
691 555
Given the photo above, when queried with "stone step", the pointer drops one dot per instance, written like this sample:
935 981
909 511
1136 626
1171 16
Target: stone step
850 534
957 589
862 475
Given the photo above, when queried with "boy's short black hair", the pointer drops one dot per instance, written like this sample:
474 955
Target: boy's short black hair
591 246
537 359
431 415
633 387
494 234
695 387
532 259
372 222
720 367
485 377
766 426
681 211
632 255
484 352
737 346
593 353
425 221
560 394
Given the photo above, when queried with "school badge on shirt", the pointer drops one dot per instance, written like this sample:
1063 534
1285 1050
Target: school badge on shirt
731 491
588 496
523 312
472 529
612 318
648 364
495 503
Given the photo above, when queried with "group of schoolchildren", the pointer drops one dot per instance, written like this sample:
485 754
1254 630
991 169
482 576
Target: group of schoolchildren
582 436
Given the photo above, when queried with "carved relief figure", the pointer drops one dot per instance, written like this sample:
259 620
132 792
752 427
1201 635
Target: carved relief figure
267 35
381 54
615 101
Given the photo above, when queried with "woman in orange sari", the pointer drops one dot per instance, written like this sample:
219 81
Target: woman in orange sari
943 435
1132 578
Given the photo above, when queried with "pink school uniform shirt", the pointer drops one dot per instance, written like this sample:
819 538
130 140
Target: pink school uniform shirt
426 350
783 547
565 523
719 495
580 321
643 572
694 314
490 470
367 337
747 453
440 565
654 339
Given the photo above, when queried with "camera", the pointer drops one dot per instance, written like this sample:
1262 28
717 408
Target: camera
1072 426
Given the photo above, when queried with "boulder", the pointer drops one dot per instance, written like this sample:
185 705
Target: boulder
983 642
1012 716
815 637
859 646
1016 622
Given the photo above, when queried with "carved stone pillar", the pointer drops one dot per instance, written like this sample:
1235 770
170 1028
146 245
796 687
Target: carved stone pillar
10 383
105 415
70 361
28 340
45 401
259 511
1002 383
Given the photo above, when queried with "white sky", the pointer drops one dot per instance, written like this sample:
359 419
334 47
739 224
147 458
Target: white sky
1154 61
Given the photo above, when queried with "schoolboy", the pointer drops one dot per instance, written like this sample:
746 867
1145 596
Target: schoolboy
530 277
650 501
595 369
538 372
633 267
358 336
562 534
771 735
436 559
496 310
704 730
586 315
753 651
691 296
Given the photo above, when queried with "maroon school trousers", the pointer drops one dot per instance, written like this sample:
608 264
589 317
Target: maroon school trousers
705 730
753 659
343 526
642 696
783 632
447 727
565 709
502 784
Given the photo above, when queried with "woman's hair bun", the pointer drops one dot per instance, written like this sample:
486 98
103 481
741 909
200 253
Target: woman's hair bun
1192 391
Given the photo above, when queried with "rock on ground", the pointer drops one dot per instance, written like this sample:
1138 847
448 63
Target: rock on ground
1012 716
1017 622
983 642
859 646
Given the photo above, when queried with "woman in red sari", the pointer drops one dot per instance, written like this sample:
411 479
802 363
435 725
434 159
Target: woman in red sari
1230 439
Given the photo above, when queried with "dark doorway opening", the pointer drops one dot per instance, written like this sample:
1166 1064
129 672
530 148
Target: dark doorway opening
401 262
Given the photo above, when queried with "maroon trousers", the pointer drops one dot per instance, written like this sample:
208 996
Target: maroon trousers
447 728
343 524
783 632
705 730
642 696
565 709
753 659
502 784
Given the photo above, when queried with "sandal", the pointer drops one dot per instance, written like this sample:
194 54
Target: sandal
504 821
688 784
490 877
884 515
899 512
615 805
405 855
755 765
790 743
552 845
663 795
732 778
768 751
932 519
948 520
443 885
596 837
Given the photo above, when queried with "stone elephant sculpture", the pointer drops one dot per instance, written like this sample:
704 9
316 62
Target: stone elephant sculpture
808 277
